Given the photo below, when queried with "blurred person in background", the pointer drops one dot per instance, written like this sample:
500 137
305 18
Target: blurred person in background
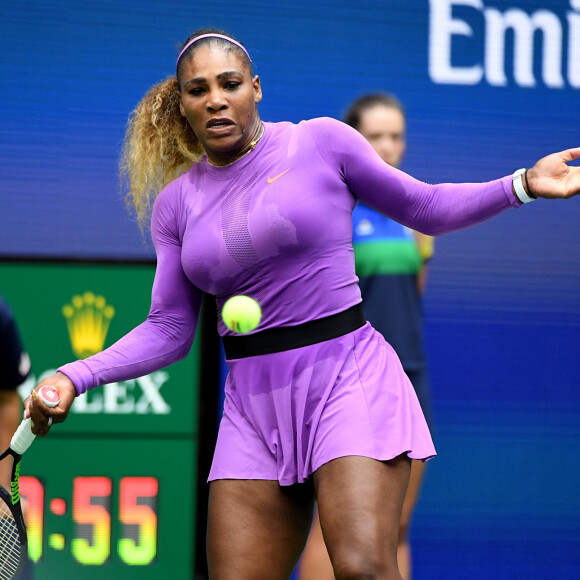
391 263
15 367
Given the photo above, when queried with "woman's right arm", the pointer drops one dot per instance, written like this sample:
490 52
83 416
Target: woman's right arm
167 334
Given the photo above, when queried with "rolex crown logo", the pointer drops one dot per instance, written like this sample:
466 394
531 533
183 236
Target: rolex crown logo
87 318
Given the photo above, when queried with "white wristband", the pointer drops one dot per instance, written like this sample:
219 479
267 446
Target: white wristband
519 187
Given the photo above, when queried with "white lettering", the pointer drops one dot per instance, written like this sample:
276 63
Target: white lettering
136 396
442 27
574 45
116 398
524 27
150 385
89 403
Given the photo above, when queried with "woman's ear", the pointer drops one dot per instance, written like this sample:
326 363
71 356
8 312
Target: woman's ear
181 109
257 89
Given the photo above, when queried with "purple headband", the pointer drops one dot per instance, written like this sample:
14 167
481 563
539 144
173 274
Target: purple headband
212 36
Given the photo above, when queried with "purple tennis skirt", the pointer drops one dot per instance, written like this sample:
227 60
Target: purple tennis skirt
288 413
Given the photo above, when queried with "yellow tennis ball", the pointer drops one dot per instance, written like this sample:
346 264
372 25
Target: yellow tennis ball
241 314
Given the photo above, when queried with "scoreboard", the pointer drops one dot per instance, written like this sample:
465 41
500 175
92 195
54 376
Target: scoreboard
110 492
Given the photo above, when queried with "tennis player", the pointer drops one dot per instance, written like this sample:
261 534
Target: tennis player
317 403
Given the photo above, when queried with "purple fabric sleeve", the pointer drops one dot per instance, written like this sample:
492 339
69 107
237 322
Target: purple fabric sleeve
430 209
167 334
347 166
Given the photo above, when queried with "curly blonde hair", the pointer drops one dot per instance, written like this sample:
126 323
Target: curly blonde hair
159 146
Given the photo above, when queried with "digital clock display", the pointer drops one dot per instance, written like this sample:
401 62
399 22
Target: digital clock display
108 509
110 493
91 512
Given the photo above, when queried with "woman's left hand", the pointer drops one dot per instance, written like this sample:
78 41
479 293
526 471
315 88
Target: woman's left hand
552 178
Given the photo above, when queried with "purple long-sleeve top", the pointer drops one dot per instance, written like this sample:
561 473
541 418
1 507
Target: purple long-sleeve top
275 225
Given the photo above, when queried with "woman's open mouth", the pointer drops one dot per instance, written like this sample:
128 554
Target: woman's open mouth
220 126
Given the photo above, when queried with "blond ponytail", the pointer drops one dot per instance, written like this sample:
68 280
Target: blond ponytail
159 146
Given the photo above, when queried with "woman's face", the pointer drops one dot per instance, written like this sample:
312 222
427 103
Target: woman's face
218 97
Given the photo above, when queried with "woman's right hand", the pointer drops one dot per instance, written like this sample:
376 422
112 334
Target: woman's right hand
40 413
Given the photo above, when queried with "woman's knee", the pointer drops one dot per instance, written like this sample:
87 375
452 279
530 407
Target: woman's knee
360 566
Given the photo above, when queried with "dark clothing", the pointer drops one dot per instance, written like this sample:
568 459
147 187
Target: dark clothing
14 362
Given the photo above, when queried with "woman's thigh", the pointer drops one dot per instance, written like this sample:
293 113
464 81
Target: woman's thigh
256 528
359 504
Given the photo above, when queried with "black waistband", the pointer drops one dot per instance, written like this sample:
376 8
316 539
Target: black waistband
290 337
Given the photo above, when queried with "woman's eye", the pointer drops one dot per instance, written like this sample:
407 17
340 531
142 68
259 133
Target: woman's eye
232 86
196 92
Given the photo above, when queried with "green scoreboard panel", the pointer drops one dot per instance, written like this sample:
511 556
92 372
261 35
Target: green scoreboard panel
110 493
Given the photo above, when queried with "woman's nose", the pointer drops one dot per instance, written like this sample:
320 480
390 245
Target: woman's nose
216 100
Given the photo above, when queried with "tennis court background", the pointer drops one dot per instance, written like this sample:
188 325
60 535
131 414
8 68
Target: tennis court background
503 302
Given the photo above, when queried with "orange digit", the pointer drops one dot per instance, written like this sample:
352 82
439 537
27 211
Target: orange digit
92 543
140 549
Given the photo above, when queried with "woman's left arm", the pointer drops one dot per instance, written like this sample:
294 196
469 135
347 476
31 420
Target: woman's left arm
446 207
552 178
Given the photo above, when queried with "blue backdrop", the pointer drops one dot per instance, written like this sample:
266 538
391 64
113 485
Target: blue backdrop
489 86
